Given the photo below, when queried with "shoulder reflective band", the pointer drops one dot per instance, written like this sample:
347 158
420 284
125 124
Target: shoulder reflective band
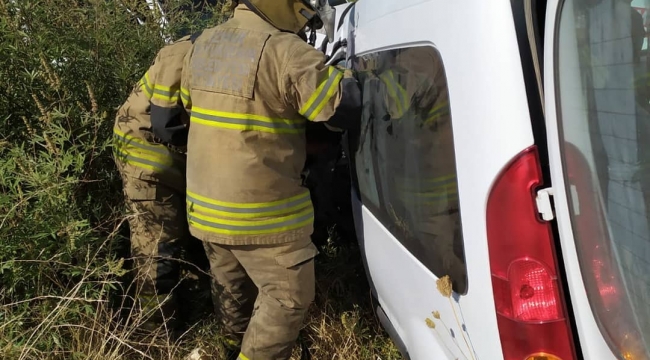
157 91
145 84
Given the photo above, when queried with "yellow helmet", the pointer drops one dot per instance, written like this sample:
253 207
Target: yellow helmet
286 15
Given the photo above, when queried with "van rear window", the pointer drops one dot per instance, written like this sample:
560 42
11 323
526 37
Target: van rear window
602 76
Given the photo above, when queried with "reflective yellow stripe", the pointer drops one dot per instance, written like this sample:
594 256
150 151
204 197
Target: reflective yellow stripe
232 343
140 153
437 112
258 227
437 193
130 140
142 163
146 85
415 199
322 94
430 191
242 357
185 97
250 205
161 161
396 92
246 122
428 182
203 204
166 93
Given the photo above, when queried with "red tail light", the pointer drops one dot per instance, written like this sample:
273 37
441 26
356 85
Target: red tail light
531 312
535 296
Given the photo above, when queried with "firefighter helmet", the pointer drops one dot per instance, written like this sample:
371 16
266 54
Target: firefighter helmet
286 15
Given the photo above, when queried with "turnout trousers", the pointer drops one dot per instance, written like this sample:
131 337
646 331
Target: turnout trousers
262 294
164 252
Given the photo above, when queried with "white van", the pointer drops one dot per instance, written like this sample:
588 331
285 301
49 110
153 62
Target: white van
504 150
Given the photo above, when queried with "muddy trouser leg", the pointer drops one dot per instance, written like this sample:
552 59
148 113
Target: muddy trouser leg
156 231
284 277
233 293
194 292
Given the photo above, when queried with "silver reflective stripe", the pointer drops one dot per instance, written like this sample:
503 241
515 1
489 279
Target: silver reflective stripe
426 184
132 142
248 122
435 114
321 97
147 85
168 94
438 195
302 200
281 224
130 158
398 91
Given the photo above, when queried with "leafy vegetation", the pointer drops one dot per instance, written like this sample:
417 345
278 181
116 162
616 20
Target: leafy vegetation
65 274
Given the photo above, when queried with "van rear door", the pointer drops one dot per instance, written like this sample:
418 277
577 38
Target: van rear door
598 129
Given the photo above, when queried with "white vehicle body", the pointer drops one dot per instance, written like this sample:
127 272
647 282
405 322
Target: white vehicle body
505 98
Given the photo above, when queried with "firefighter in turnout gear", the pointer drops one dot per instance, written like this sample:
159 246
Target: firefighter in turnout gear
251 84
150 133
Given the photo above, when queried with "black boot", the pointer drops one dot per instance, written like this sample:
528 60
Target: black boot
304 350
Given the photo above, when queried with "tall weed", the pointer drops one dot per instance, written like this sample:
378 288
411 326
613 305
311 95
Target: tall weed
65 68
66 65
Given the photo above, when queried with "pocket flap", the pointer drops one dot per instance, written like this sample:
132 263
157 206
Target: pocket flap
297 257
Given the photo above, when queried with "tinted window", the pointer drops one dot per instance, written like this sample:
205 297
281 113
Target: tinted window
604 111
405 160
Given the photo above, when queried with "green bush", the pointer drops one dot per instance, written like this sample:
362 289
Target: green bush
65 68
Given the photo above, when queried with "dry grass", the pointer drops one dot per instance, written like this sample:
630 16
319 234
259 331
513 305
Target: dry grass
341 324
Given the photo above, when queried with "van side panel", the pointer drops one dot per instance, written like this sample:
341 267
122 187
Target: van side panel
491 125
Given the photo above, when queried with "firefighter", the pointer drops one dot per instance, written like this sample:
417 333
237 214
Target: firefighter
251 85
150 134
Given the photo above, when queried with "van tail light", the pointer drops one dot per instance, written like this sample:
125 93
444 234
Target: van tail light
530 306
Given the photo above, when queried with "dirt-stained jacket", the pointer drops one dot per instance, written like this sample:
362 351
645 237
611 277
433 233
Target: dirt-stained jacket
152 118
252 89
